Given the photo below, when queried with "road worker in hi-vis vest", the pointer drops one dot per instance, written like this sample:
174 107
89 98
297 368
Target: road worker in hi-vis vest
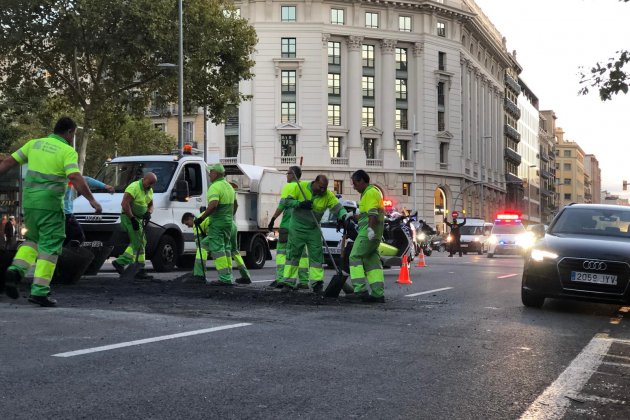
52 162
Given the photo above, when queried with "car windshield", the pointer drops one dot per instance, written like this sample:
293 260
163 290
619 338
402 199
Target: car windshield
121 174
593 221
328 219
471 230
508 229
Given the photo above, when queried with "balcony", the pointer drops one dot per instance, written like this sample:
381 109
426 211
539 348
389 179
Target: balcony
513 84
229 161
406 163
512 133
512 108
339 161
374 163
544 156
285 160
512 155
546 174
546 192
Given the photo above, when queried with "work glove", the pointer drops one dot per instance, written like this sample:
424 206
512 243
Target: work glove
134 224
371 234
198 221
307 205
146 217
270 227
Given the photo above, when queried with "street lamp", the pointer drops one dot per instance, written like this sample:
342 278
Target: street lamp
529 196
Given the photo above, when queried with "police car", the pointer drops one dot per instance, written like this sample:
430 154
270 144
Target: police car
509 236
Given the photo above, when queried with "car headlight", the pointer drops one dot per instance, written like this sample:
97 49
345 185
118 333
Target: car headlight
526 240
476 239
23 231
540 255
493 239
421 236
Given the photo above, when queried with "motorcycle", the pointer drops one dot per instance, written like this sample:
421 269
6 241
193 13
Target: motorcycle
424 236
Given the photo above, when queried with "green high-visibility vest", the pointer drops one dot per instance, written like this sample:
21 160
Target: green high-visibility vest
221 190
141 197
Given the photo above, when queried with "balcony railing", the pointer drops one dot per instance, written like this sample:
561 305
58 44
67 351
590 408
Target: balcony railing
546 174
513 84
374 162
512 108
228 160
285 160
511 132
406 163
512 155
339 161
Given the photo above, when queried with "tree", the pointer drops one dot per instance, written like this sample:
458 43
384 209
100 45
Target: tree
609 78
104 54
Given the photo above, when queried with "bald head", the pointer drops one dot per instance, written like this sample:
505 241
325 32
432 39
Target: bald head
149 180
320 185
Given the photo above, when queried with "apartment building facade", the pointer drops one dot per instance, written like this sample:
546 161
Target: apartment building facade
529 151
547 139
592 194
393 88
569 170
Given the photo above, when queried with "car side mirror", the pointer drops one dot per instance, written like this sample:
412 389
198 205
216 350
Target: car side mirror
538 230
181 191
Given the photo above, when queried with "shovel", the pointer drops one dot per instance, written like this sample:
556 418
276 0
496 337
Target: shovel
133 268
198 237
338 280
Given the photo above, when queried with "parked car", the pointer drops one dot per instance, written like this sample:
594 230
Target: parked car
584 255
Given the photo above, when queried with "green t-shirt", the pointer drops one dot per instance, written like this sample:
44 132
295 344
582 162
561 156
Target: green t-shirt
221 191
50 160
371 204
287 211
141 197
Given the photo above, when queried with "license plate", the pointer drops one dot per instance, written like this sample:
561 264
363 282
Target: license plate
464 245
334 250
596 278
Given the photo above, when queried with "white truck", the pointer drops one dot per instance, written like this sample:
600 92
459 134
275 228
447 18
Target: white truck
181 188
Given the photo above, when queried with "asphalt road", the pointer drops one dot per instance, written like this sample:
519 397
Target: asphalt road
462 346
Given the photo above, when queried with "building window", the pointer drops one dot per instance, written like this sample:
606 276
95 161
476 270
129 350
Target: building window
334 114
441 120
287 145
288 112
567 196
406 188
401 89
567 167
566 153
441 60
188 132
443 153
288 13
441 29
557 165
371 20
367 53
231 146
334 146
401 59
288 81
334 84
160 126
404 23
334 52
336 16
402 147
567 181
440 92
369 145
338 187
401 119
288 47
367 116
367 85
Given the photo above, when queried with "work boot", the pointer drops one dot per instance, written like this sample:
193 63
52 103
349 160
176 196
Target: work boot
142 275
11 281
373 299
302 286
244 280
450 255
274 285
318 287
220 283
347 288
286 288
199 279
120 269
355 297
44 301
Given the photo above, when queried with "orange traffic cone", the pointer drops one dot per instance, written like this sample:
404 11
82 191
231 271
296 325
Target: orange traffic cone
421 262
403 276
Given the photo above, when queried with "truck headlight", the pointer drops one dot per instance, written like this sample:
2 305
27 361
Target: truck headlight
540 255
476 239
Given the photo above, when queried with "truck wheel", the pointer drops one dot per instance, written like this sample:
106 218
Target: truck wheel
165 255
257 254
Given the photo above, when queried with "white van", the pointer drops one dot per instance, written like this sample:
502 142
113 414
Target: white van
474 235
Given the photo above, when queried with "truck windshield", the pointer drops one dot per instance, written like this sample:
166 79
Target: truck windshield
121 174
471 230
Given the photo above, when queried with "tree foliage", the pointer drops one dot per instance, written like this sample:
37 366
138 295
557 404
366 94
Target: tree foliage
609 78
102 56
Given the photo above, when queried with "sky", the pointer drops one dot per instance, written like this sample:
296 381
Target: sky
553 39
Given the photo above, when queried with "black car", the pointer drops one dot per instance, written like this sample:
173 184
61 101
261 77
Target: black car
584 255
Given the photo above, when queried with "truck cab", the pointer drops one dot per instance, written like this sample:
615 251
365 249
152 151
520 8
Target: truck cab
181 187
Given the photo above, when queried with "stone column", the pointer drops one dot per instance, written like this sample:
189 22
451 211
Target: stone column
353 74
388 104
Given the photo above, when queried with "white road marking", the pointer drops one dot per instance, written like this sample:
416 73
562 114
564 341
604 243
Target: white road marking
552 403
148 340
263 281
507 276
428 292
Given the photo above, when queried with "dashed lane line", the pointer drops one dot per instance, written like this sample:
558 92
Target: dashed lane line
428 292
148 340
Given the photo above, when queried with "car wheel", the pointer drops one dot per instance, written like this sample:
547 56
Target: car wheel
480 252
490 255
165 255
531 300
255 258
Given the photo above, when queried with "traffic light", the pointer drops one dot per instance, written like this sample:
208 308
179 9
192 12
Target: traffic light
625 185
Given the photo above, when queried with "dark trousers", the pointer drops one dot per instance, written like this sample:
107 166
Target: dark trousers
456 246
74 231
